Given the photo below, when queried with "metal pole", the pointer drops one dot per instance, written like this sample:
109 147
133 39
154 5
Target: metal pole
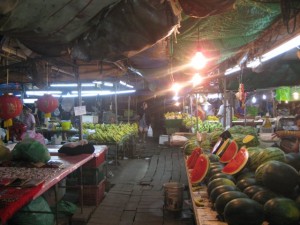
128 116
116 104
79 89
225 103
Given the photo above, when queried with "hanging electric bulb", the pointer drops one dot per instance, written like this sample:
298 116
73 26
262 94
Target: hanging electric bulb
177 104
176 87
253 100
198 61
264 97
175 98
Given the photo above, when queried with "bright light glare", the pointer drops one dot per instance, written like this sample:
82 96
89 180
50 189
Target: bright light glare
253 99
175 98
264 97
198 61
176 87
177 103
205 107
296 95
197 79
108 84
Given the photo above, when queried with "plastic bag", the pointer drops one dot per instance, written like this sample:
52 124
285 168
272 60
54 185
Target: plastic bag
36 136
29 214
150 132
30 150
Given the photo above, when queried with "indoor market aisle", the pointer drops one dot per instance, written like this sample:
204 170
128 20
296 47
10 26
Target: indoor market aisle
136 195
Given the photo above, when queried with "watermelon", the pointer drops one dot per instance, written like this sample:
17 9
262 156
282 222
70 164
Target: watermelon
243 211
245 174
278 177
221 175
263 196
220 190
281 211
230 152
218 182
237 163
252 190
226 197
200 169
192 159
293 159
267 154
246 182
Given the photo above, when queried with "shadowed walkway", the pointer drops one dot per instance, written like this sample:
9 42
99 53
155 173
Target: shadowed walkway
136 195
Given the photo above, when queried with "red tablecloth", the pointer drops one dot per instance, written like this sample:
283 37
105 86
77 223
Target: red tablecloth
12 199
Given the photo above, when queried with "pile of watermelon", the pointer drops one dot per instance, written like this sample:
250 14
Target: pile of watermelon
249 185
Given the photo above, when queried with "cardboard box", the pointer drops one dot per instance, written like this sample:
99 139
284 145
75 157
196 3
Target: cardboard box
163 139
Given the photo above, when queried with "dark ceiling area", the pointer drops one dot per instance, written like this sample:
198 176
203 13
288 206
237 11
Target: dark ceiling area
148 43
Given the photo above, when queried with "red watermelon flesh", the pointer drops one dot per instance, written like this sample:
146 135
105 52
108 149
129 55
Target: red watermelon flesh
230 152
200 169
237 163
192 159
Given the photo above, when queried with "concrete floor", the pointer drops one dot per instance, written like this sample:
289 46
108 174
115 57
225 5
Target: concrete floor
135 193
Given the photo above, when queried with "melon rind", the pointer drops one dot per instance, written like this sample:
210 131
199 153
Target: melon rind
200 170
237 163
223 147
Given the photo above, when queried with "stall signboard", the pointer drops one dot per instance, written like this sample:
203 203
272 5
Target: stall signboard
283 94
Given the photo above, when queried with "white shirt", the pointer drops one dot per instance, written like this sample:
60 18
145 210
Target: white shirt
228 117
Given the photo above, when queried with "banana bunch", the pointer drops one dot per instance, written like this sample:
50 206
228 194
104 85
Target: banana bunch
111 133
212 118
198 201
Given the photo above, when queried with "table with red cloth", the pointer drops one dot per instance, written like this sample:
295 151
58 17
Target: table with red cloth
13 198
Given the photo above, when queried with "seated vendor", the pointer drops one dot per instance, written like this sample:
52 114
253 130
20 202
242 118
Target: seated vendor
289 139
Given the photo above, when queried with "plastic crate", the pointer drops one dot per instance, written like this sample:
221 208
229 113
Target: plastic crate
92 176
96 161
93 194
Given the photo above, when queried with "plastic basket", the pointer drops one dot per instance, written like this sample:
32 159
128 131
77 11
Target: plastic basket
93 194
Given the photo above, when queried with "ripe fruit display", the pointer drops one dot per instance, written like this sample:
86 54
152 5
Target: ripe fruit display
246 182
237 163
243 211
218 182
226 197
252 190
263 196
230 152
279 211
220 190
200 169
278 177
192 159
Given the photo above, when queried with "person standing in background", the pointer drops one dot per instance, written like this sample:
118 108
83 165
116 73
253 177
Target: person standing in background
144 122
229 114
200 112
28 118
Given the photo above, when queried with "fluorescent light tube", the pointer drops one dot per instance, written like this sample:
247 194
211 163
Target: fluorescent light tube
232 70
72 85
293 43
41 93
108 84
29 100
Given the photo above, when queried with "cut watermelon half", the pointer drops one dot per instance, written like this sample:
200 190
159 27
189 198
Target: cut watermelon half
237 163
200 170
230 152
192 159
